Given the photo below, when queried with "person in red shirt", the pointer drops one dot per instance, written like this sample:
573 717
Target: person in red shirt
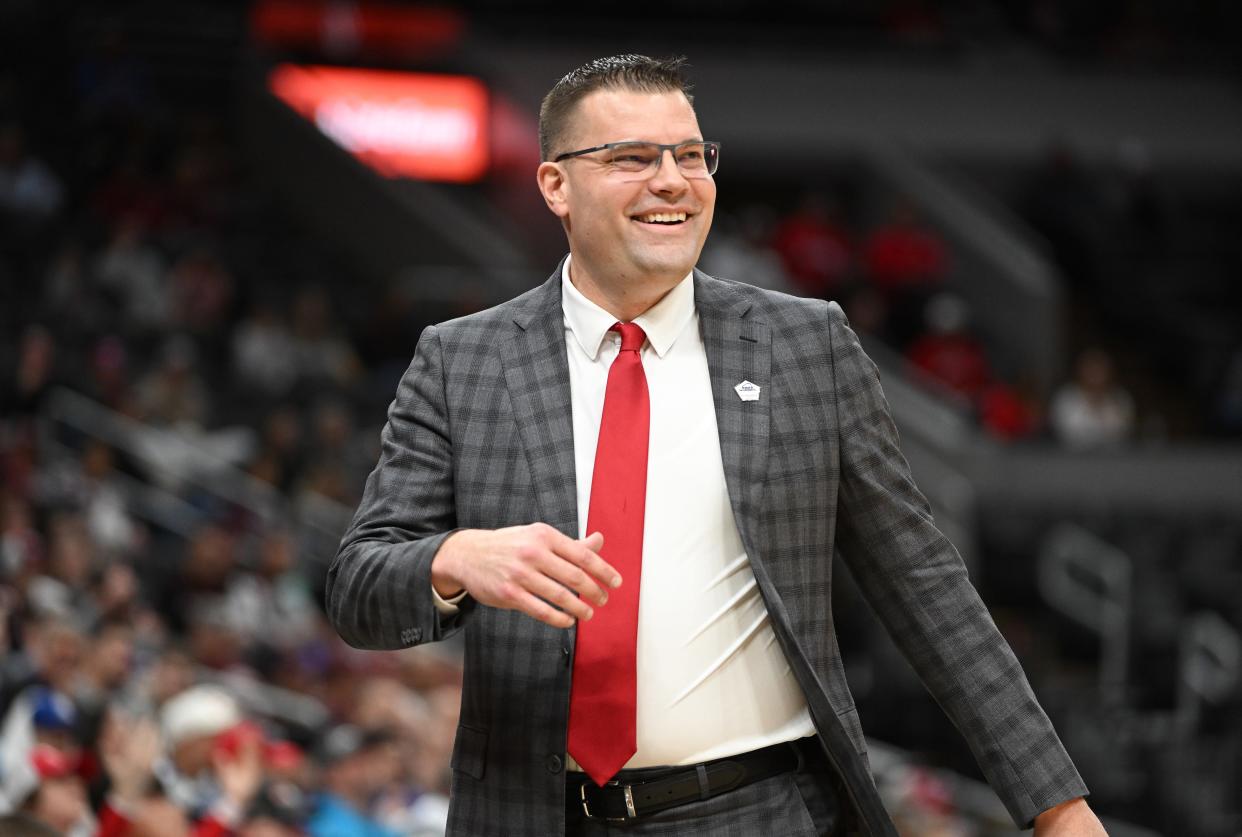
907 263
815 247
948 354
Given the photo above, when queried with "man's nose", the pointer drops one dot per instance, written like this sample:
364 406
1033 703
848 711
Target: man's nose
668 177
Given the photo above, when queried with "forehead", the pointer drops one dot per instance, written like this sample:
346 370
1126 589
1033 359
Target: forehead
613 115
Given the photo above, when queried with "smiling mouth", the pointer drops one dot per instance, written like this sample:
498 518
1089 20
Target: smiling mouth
662 218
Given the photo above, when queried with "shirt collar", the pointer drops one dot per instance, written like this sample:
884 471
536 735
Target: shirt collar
662 322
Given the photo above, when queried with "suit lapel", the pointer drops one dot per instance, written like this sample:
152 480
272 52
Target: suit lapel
738 349
537 378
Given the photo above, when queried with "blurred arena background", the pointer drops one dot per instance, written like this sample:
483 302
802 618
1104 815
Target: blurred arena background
224 225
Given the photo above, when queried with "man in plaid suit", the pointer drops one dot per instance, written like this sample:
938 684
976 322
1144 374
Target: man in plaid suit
474 519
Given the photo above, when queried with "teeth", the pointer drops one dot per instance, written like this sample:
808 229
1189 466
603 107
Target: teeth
663 217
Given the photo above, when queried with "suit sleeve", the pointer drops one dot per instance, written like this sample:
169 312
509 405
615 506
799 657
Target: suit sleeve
379 592
916 582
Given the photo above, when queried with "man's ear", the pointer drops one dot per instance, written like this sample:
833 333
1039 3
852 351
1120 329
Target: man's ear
554 188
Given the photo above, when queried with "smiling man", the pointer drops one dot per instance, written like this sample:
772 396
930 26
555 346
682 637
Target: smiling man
627 486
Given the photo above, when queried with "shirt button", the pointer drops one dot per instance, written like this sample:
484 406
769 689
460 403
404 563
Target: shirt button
554 763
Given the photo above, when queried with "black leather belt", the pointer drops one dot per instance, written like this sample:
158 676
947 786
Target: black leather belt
632 795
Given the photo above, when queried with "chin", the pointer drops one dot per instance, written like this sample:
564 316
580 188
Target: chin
673 264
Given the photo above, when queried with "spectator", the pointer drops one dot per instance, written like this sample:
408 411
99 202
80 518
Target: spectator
169 673
108 377
270 606
105 672
815 247
324 356
133 272
263 352
948 354
1008 413
282 449
30 192
21 545
424 726
357 766
338 446
1092 411
907 263
54 718
173 395
45 788
89 483
50 656
209 777
63 588
70 292
903 255
200 291
24 390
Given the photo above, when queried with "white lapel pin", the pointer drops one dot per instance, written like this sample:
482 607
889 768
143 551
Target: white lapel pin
747 391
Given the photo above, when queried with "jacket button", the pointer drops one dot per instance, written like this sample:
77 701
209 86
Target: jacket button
565 654
554 763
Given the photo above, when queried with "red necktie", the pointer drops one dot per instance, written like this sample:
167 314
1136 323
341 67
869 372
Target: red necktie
603 695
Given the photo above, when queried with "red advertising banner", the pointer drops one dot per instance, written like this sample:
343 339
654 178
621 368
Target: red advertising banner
417 125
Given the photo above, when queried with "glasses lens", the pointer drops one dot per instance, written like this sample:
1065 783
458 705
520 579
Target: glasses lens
697 159
634 156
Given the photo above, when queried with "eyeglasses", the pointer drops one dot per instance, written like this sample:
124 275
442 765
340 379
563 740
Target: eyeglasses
641 160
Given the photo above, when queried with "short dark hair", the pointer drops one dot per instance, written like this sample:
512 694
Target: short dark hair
620 72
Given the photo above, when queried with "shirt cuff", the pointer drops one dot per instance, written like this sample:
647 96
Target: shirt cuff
447 607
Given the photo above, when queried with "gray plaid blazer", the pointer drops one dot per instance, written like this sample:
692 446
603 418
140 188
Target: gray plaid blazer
480 436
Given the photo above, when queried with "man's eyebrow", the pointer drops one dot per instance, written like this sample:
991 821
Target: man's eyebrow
653 142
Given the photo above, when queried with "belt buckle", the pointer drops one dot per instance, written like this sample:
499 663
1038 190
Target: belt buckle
629 802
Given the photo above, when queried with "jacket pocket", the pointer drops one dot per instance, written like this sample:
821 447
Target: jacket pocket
470 751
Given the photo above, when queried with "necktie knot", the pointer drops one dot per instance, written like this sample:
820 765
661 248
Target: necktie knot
632 336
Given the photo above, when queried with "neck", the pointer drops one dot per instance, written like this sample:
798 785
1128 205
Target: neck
624 297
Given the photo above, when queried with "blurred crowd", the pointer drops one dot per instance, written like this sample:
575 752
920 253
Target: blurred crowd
160 680
894 280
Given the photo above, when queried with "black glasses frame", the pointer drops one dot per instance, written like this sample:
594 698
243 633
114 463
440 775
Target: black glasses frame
711 150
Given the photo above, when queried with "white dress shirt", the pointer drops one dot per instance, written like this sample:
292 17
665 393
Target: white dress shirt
712 680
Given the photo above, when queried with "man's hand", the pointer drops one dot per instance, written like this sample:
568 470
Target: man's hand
526 568
1069 819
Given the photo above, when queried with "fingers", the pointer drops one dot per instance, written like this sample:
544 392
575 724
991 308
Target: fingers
555 593
536 607
561 572
584 554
